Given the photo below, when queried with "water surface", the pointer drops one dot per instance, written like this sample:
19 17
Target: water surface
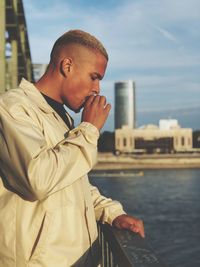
169 203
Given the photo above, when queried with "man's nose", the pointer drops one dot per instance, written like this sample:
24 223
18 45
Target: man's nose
96 87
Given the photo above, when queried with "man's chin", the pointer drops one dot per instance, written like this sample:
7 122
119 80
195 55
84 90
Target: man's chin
77 110
80 108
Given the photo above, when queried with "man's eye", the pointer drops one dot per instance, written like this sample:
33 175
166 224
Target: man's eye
93 78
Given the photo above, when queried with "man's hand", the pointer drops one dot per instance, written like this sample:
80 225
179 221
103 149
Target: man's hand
96 110
131 223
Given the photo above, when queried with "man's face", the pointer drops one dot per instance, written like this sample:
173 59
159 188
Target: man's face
83 80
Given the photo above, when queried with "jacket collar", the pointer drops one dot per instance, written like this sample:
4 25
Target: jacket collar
33 93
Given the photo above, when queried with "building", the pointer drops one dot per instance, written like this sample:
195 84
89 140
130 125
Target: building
168 124
169 137
125 111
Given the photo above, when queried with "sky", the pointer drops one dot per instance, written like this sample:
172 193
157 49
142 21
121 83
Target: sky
156 43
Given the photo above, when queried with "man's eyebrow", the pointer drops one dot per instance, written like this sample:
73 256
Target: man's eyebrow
98 75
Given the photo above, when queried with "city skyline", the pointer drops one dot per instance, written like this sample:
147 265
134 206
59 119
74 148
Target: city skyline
154 43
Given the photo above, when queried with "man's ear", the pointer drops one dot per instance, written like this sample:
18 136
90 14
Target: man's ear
65 66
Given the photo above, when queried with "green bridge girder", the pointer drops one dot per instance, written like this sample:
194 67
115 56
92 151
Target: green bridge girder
15 56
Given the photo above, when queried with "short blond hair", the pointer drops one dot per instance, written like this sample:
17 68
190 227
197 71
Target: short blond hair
78 37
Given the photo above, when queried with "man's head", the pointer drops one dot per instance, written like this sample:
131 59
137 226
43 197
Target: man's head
77 64
77 37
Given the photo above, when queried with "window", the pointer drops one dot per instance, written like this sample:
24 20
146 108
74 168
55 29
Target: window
124 141
182 141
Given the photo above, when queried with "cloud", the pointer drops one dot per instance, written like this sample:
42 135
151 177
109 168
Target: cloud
152 42
129 27
166 34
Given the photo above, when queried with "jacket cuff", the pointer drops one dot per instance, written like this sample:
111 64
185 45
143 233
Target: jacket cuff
87 126
89 131
113 215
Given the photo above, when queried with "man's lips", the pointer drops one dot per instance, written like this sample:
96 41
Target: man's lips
85 100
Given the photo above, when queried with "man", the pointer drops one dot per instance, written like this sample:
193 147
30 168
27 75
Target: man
48 209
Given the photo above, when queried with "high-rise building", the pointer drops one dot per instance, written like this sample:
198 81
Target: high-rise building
125 111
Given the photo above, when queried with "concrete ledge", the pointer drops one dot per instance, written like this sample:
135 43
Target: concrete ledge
108 161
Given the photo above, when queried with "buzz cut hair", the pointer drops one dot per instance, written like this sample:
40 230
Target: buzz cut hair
78 37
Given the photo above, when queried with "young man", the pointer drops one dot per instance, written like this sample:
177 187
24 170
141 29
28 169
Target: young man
48 208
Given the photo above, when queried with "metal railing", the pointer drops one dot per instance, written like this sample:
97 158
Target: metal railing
122 248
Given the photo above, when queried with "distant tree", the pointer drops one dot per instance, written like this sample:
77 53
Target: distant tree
196 139
106 142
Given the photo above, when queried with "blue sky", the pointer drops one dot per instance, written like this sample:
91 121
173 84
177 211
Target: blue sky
153 42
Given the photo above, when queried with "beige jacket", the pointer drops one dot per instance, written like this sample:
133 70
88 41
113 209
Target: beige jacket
48 209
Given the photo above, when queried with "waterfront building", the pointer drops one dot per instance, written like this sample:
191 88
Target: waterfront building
154 139
125 111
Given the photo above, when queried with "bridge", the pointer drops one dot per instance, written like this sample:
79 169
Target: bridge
15 56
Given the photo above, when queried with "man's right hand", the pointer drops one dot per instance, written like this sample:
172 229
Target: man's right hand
96 111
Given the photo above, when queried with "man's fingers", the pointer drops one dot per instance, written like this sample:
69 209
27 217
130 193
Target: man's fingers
107 108
140 232
89 100
102 101
138 228
96 99
96 110
128 222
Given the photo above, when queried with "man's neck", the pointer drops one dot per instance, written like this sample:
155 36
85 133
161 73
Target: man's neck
47 86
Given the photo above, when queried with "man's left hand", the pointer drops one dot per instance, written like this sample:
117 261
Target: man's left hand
133 224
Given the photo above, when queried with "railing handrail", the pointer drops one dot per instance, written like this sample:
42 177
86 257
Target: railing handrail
124 248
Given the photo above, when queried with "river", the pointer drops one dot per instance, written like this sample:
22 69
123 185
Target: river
168 201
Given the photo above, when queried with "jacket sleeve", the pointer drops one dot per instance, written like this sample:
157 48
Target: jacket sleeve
33 169
106 209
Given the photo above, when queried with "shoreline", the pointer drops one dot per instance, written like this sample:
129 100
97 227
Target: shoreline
108 161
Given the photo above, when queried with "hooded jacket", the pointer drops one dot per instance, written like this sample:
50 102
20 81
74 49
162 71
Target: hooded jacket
48 208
